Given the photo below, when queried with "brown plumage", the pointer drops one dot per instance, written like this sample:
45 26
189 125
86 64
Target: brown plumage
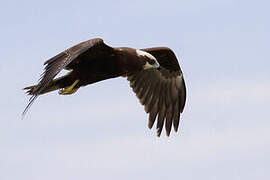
154 74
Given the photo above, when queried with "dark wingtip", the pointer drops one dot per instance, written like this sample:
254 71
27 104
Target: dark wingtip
168 133
158 132
175 128
32 99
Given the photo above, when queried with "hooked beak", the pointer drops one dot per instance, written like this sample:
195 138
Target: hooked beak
157 66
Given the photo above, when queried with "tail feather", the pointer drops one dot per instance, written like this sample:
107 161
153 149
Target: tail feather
30 89
56 84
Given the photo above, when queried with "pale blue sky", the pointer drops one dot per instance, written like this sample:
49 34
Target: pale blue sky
101 131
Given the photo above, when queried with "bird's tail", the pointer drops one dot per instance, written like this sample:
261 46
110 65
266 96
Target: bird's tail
56 84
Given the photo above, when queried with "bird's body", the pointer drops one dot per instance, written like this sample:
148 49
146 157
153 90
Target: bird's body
154 75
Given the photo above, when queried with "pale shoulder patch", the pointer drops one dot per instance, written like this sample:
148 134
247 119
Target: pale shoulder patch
143 53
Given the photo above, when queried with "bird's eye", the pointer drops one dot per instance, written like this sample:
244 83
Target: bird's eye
151 61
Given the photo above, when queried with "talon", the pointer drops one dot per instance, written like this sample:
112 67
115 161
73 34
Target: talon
69 89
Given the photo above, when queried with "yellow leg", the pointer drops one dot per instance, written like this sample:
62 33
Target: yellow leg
70 89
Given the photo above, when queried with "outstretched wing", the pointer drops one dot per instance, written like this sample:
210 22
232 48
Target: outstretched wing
162 92
67 59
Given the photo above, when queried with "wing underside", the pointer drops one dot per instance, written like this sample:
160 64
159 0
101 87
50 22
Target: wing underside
162 92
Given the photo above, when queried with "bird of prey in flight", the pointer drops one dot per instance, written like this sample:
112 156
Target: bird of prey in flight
154 75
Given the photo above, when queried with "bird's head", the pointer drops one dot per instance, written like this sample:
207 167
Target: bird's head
149 59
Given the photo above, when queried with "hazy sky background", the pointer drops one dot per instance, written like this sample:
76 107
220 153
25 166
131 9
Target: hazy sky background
101 131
